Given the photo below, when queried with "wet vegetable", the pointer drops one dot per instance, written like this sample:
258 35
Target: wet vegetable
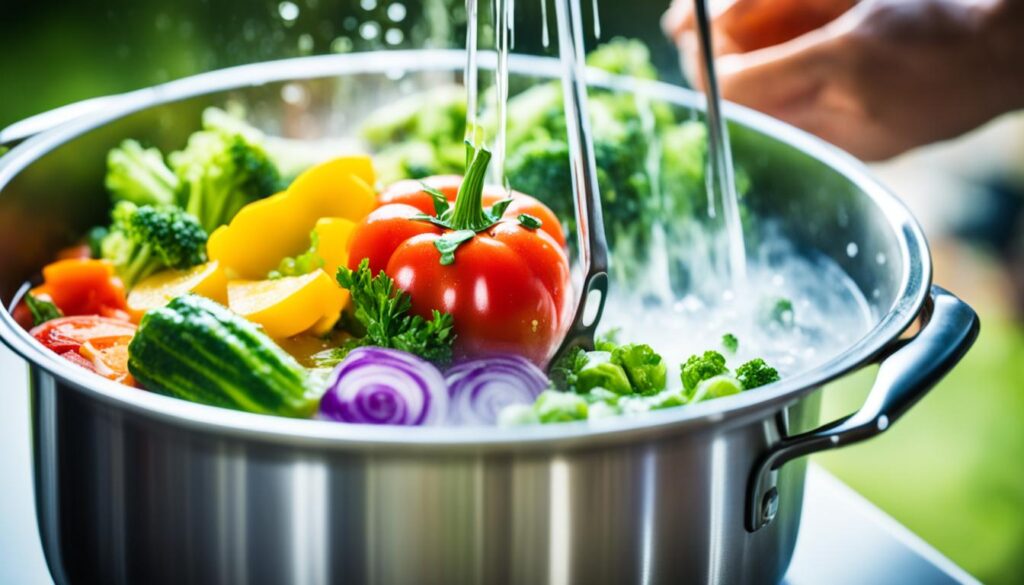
145 240
200 351
206 280
289 306
756 373
503 283
82 286
480 389
385 387
41 309
701 367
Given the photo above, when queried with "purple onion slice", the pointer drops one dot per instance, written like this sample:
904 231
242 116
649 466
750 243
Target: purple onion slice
378 386
478 390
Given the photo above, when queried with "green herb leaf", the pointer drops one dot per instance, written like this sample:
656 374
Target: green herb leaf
441 204
448 243
730 343
382 310
42 310
498 209
529 222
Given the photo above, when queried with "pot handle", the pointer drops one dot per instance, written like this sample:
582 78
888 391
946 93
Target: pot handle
908 370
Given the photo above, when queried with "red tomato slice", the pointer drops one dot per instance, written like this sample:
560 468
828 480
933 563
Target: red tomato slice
109 358
70 333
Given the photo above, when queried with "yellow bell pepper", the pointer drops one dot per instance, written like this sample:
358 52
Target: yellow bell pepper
264 232
333 235
288 306
207 280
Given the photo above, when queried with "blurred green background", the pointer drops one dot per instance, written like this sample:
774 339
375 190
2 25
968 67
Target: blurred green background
951 470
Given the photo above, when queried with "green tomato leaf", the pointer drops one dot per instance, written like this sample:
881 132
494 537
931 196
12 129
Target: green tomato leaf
448 243
498 209
441 204
529 222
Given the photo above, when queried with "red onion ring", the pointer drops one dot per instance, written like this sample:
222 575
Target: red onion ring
478 390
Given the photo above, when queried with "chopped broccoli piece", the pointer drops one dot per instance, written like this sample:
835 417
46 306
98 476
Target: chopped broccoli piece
600 371
146 239
622 56
608 340
304 263
717 387
756 373
644 368
517 415
778 311
223 168
730 343
565 371
700 368
139 175
553 406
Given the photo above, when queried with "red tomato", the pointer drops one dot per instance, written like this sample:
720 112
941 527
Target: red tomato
507 286
70 333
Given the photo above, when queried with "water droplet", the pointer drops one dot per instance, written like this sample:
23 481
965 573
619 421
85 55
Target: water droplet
876 293
395 74
294 94
834 439
368 4
883 422
350 23
396 12
369 30
305 44
288 11
852 249
880 258
394 36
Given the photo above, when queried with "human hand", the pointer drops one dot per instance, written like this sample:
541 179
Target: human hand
886 76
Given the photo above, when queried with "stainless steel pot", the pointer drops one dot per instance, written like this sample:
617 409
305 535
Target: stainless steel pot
134 487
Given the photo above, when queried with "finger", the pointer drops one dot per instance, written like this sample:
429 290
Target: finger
677 19
692 55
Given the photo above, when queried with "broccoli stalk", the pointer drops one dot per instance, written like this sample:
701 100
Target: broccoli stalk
146 239
139 175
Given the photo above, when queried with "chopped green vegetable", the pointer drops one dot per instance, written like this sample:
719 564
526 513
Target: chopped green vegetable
700 368
553 406
223 168
667 399
717 387
200 351
565 372
600 394
382 310
304 263
608 340
146 239
600 371
518 415
644 368
140 175
730 343
779 312
42 310
756 373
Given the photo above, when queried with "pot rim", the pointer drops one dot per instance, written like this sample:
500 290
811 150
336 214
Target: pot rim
912 291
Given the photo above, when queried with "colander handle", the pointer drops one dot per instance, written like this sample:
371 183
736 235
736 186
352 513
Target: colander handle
908 370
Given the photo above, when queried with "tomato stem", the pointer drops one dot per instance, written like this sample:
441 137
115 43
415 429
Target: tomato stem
469 208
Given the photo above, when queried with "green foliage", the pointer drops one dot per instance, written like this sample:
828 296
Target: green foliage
143 240
730 343
383 312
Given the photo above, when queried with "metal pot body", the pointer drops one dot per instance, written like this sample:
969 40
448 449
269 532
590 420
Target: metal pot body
133 487
125 499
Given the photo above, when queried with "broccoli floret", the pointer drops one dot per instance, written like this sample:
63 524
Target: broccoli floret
553 406
304 263
756 373
730 343
717 387
146 239
139 175
701 367
624 57
600 371
778 312
643 366
223 168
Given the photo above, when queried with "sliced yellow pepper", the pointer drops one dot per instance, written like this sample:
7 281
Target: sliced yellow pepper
264 232
289 306
207 280
333 235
